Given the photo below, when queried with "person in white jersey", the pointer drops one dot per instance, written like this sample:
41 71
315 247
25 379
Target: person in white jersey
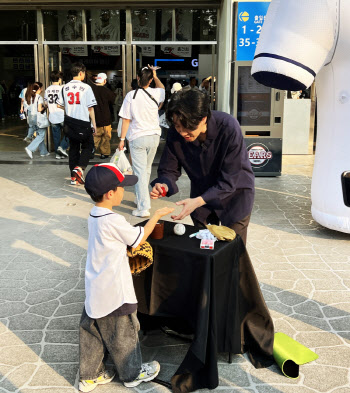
140 120
78 101
56 115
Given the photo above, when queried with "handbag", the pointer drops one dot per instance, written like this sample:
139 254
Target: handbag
79 130
41 120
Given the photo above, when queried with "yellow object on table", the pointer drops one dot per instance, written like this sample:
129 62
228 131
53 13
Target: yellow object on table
222 233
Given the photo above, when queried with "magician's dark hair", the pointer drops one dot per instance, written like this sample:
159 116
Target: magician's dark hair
190 107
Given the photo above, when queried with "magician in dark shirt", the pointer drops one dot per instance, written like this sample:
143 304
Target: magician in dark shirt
209 146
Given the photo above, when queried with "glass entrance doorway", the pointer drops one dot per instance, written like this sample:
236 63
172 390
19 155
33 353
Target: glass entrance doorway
17 69
191 66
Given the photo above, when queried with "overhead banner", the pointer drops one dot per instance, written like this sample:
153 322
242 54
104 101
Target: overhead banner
105 26
70 28
183 20
143 29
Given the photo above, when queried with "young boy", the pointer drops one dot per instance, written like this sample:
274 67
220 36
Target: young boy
109 323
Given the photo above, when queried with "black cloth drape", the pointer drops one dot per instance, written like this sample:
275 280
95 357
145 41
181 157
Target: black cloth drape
211 293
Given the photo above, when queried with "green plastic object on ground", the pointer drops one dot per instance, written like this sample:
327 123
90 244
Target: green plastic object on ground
289 355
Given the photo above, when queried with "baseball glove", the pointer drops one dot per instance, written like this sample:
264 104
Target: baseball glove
140 258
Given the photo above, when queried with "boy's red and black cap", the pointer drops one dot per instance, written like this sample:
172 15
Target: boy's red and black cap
102 178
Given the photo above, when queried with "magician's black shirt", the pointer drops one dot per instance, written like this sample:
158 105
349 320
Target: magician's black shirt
219 169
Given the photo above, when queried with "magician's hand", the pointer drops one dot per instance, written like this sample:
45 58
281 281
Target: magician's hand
189 205
159 190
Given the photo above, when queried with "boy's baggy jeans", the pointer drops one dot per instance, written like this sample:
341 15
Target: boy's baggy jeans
117 335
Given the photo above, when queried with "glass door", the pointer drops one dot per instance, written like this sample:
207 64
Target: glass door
17 68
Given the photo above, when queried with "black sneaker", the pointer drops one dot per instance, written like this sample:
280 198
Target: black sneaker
103 156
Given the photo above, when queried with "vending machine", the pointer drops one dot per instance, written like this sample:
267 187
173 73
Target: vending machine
259 109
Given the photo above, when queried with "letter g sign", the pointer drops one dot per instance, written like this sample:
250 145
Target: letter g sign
195 63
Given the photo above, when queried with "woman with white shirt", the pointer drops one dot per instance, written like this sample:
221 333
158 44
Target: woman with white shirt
36 104
140 120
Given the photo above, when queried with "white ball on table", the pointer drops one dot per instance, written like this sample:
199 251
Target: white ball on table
179 229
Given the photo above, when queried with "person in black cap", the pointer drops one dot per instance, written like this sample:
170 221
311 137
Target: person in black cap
109 322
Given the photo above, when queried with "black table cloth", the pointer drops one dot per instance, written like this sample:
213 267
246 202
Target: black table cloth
215 293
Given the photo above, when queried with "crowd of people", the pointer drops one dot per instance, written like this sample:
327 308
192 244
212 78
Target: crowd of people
208 145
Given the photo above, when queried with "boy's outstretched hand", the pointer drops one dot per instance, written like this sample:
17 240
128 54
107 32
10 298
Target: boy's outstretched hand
164 211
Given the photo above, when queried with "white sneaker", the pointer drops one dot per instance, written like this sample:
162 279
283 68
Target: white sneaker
148 372
45 155
58 157
29 152
88 385
27 139
62 152
141 213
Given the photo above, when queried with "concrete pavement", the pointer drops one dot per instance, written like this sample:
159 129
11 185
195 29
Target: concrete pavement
303 269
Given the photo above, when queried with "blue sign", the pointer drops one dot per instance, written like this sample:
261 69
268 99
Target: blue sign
251 17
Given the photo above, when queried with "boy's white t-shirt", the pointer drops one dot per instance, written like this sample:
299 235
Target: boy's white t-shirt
143 112
108 280
56 115
78 97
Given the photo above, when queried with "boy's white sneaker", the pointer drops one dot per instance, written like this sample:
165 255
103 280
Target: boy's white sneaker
148 372
141 213
88 385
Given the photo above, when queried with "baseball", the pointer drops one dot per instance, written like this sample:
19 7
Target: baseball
179 229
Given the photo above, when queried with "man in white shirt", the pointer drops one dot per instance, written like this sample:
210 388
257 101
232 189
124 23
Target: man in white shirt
78 100
56 115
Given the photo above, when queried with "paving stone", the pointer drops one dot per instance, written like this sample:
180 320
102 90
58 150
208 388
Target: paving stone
66 285
12 308
55 375
340 324
318 339
233 374
12 294
50 390
36 285
73 297
290 298
335 356
12 283
324 378
30 336
27 321
336 310
42 296
60 353
45 309
17 355
316 322
13 274
309 308
21 375
70 309
61 336
280 307
64 323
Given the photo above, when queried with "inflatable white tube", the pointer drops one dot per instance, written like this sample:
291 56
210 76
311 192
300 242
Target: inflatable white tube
299 40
